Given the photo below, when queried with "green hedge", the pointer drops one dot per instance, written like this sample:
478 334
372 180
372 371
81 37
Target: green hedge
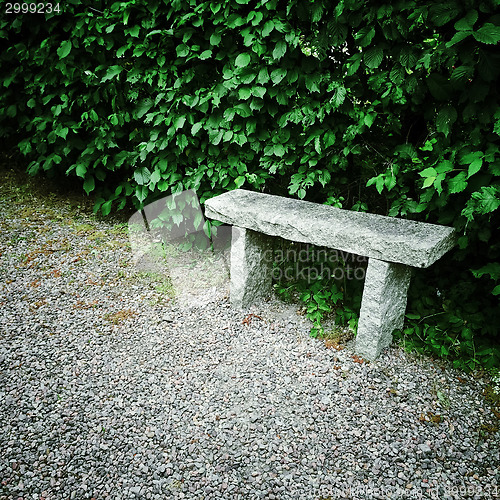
391 108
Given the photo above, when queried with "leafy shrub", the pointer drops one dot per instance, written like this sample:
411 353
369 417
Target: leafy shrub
389 108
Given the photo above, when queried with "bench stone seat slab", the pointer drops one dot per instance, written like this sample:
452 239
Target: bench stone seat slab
402 241
391 245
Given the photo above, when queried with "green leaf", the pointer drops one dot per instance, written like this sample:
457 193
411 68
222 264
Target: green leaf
64 50
365 36
263 76
407 58
81 170
428 172
277 75
312 82
492 269
279 50
429 181
141 193
106 207
339 96
243 60
196 128
496 290
179 122
89 184
373 57
206 54
369 119
258 91
244 93
134 31
111 73
143 107
467 22
474 167
142 176
268 27
457 184
155 177
458 37
215 39
488 199
279 150
239 181
489 33
445 119
182 50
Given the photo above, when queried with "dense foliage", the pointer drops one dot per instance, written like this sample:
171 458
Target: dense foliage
391 108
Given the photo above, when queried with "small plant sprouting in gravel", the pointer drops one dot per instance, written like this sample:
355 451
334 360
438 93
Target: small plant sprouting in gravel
120 316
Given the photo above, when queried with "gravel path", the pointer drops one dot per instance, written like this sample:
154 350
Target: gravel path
110 389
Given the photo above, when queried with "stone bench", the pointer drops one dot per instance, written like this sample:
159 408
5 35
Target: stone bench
391 245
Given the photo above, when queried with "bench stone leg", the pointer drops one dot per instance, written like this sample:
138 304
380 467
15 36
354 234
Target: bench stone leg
382 307
251 267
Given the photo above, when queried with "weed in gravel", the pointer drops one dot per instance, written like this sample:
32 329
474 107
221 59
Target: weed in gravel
120 316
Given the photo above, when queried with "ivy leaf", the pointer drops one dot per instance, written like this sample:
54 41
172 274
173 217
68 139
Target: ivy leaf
243 60
457 184
373 57
489 33
445 119
279 50
64 49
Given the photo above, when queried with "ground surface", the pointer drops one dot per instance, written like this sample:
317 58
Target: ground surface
111 386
